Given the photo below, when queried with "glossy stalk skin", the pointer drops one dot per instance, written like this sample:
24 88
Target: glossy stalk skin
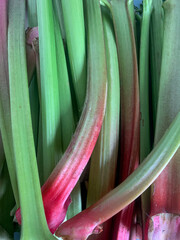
145 122
87 222
57 188
104 156
156 44
66 118
75 38
34 224
5 119
50 99
165 195
130 115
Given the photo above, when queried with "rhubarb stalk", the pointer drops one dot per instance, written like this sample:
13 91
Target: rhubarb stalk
75 38
56 190
165 193
34 225
88 221
5 119
129 120
104 157
50 99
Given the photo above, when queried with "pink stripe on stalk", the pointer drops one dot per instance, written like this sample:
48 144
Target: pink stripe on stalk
87 222
57 188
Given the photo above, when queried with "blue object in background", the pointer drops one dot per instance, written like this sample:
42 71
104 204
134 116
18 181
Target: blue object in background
137 2
16 236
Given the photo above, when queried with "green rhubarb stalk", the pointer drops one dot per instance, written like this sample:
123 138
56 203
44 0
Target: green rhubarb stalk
165 195
145 124
58 13
67 172
104 156
132 15
5 119
129 120
75 37
50 99
156 43
127 191
67 118
31 34
145 141
34 224
32 13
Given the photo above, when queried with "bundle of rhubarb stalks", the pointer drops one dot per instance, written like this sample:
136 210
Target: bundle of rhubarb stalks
89 120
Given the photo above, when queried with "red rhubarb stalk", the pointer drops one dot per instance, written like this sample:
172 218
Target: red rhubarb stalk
57 188
129 120
165 191
88 222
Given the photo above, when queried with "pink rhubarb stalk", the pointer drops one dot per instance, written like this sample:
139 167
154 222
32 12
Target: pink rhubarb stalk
165 191
130 119
88 222
57 188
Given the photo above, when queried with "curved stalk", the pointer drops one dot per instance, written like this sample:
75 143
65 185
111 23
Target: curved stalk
56 190
87 222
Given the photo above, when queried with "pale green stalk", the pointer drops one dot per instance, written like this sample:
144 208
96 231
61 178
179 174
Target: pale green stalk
75 36
5 119
156 44
58 13
104 156
34 224
50 99
67 118
32 13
